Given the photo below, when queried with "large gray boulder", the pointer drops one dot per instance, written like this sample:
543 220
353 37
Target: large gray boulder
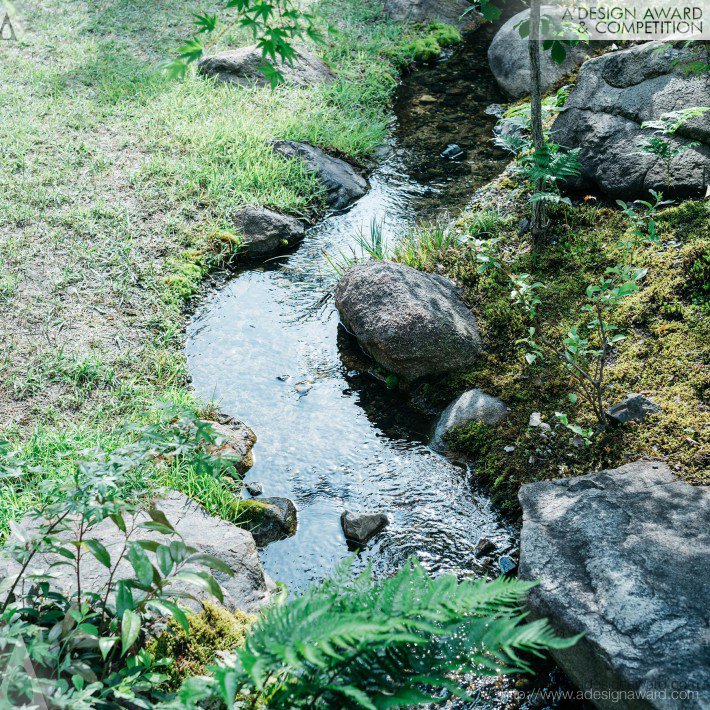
264 232
509 59
614 95
411 323
342 183
472 406
450 11
248 590
622 557
242 66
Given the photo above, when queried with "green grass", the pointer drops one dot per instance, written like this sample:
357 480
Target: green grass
664 356
117 191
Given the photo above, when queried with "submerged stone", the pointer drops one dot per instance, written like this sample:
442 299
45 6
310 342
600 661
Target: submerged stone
622 557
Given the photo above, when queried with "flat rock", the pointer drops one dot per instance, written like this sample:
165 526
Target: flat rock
248 590
242 66
472 406
449 11
622 556
413 324
509 58
613 96
276 519
264 232
632 408
360 527
342 183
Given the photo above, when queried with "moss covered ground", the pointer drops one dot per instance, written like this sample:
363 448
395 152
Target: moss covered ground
664 357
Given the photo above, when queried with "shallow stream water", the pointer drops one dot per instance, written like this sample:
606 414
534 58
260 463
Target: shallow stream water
268 348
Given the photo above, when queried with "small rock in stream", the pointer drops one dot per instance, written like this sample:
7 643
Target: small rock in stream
507 565
254 488
360 527
274 519
484 547
453 152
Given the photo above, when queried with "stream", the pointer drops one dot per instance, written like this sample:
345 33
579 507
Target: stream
267 346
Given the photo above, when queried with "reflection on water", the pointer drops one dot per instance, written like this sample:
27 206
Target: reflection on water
265 346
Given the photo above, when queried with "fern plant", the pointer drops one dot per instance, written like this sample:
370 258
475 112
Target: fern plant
361 643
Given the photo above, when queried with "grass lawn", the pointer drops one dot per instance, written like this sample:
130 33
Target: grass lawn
117 192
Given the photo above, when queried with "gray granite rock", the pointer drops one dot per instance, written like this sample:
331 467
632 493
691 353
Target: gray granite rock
449 11
264 232
411 323
360 527
632 408
613 96
472 406
242 66
508 57
623 557
342 183
248 589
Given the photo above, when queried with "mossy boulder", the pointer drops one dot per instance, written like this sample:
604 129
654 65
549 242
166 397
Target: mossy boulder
268 519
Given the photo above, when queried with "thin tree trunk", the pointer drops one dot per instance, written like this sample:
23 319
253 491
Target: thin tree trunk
537 222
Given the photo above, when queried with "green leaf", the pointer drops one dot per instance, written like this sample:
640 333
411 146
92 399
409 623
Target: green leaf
353 693
558 52
169 609
165 560
99 552
124 598
130 628
159 517
141 563
200 558
106 643
202 579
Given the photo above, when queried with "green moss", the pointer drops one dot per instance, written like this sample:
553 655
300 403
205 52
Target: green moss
250 513
213 629
426 49
429 47
445 35
663 357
